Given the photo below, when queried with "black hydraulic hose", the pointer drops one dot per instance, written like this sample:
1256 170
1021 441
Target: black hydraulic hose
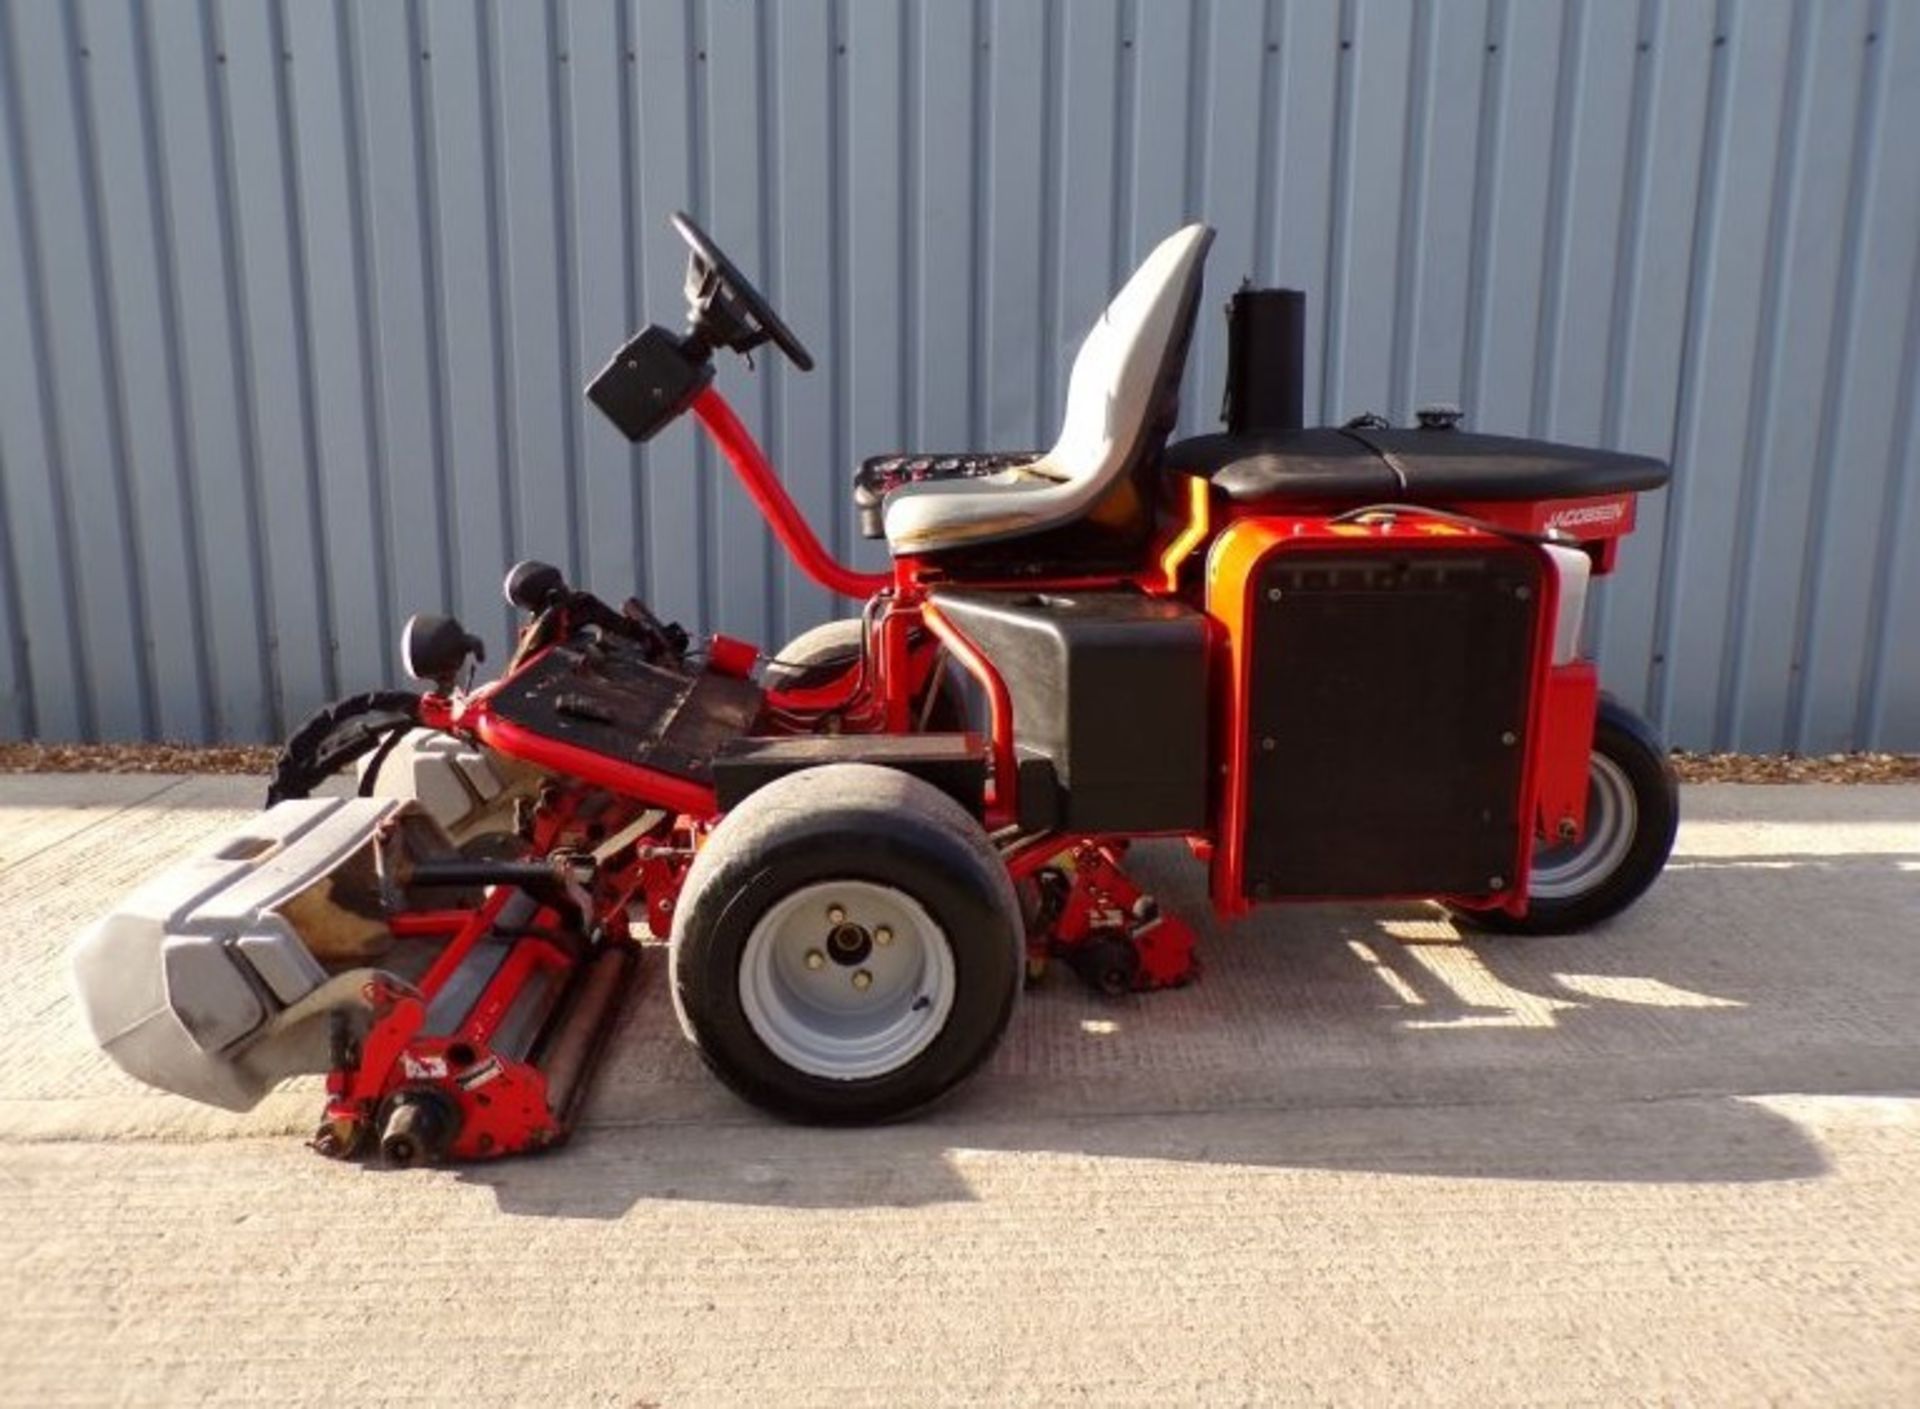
1517 535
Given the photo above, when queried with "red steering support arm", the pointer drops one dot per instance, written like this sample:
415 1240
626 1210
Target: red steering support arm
789 525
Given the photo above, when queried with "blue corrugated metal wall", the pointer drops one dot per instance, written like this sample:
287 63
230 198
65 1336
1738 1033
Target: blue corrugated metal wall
296 299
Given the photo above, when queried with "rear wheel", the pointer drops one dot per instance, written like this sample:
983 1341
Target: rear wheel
337 736
820 655
1633 810
816 655
473 793
847 947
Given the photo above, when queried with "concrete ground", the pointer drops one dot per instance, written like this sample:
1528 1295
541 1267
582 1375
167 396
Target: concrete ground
1364 1160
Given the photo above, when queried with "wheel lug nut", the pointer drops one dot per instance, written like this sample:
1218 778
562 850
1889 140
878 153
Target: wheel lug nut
883 935
862 980
836 915
815 959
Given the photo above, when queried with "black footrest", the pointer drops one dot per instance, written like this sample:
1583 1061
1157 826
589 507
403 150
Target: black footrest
607 696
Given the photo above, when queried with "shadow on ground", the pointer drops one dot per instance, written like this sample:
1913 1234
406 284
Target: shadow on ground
1779 954
1376 1039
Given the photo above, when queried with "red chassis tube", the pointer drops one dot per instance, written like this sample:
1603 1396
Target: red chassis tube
1002 802
773 501
473 715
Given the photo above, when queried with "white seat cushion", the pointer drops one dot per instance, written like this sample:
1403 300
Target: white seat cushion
1112 400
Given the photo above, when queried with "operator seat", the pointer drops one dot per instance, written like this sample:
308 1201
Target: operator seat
1088 503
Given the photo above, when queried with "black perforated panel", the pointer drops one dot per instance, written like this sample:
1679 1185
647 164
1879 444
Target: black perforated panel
1387 709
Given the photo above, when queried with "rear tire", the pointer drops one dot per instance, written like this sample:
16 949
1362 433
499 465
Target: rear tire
821 654
1633 810
873 1014
337 736
816 655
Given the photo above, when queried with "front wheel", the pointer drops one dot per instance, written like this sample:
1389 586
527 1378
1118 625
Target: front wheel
847 946
1633 810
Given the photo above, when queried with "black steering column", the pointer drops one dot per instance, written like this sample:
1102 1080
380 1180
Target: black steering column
653 379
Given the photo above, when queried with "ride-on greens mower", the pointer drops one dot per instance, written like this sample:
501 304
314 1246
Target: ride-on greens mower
1336 663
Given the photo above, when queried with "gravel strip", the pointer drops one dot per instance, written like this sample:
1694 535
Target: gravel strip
1793 768
137 758
258 758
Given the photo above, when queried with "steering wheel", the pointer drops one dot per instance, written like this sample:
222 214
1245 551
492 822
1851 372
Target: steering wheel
734 296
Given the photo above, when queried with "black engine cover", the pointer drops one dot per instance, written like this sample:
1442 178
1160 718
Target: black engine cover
1387 703
1109 705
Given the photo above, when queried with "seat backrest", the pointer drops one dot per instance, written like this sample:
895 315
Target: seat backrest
1089 504
1123 396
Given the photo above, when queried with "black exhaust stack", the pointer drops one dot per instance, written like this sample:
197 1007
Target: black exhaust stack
1266 366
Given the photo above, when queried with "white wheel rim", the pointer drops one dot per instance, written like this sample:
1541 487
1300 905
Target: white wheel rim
847 980
1565 870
